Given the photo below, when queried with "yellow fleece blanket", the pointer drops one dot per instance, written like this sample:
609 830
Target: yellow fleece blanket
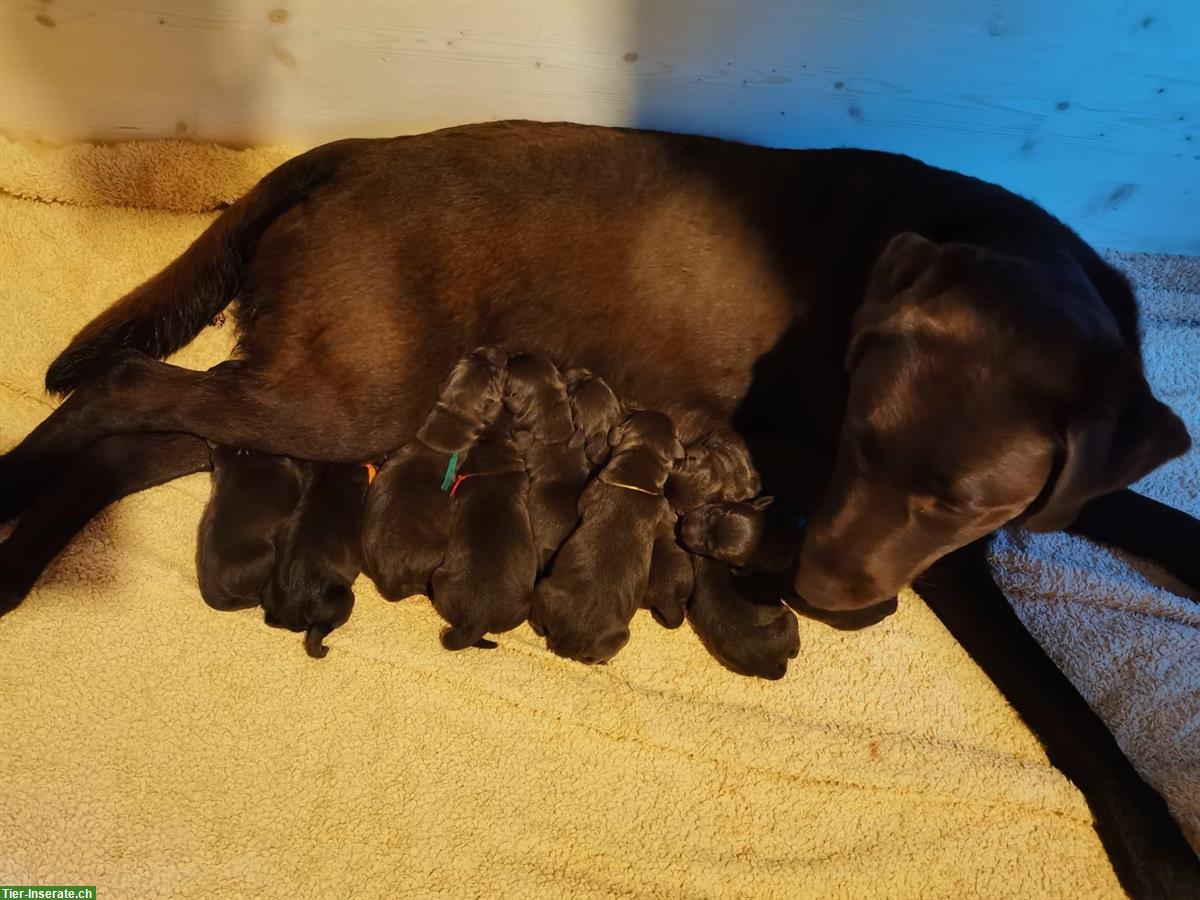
154 747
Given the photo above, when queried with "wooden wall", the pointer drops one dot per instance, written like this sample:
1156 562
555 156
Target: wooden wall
1091 107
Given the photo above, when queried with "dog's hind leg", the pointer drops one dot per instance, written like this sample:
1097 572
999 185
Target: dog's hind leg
1146 528
1147 849
110 469
304 416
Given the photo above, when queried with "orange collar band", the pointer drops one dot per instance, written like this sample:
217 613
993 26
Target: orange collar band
371 472
459 479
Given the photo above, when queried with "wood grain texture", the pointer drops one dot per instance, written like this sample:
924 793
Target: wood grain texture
1090 107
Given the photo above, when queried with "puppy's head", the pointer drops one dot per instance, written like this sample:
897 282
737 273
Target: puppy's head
595 409
716 469
984 389
649 434
726 531
317 611
468 402
536 395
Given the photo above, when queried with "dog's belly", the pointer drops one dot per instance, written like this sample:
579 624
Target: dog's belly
666 287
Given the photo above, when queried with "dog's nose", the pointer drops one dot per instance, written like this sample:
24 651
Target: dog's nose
825 591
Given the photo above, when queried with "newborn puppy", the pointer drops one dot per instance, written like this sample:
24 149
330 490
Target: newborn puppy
595 409
253 494
601 574
741 535
319 555
407 521
536 396
741 621
717 468
670 581
762 542
484 581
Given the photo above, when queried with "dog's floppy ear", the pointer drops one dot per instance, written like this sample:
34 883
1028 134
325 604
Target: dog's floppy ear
595 448
1108 451
617 433
903 261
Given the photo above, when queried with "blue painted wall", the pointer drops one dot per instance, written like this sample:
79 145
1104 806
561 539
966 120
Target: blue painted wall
1090 108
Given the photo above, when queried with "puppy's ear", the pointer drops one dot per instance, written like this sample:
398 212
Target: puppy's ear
1103 452
617 433
761 503
595 448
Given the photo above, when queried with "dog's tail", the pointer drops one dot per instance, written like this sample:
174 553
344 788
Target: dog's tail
460 637
170 309
314 640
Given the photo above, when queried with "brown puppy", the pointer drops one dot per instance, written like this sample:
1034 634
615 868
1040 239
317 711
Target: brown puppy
319 555
601 574
717 469
741 621
670 581
485 580
595 409
407 521
739 534
759 541
536 396
253 496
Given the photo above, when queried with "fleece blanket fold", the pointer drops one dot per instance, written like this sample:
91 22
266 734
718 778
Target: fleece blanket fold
154 747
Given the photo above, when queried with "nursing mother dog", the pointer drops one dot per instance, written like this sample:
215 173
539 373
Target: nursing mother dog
941 356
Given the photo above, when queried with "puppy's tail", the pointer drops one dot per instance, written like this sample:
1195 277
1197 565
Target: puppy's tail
314 641
166 312
461 637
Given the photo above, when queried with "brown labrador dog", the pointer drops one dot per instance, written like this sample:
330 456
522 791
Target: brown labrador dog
922 333
536 396
407 519
319 555
253 496
486 578
601 574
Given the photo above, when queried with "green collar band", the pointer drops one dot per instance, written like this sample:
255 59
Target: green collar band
451 468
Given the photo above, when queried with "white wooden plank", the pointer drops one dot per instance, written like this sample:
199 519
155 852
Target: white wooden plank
1089 106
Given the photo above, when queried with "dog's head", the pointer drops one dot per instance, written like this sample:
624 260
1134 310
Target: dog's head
536 395
984 390
595 409
716 469
468 402
650 435
726 531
